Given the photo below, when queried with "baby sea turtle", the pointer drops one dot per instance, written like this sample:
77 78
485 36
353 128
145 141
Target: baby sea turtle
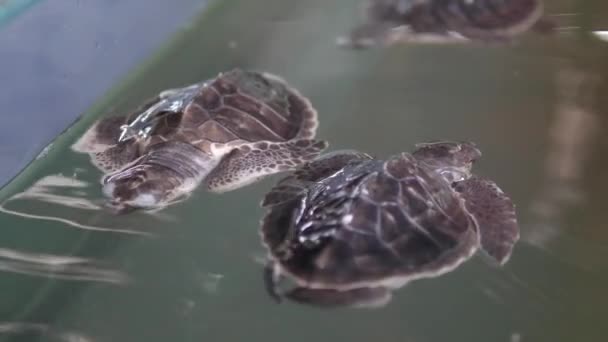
447 21
227 132
348 228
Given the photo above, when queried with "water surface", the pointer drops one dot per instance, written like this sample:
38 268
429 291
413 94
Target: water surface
192 272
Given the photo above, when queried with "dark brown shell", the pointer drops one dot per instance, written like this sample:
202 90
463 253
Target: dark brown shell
478 19
487 18
241 106
394 221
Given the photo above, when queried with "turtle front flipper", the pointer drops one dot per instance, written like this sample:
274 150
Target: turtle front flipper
102 135
365 297
249 163
495 216
100 142
322 167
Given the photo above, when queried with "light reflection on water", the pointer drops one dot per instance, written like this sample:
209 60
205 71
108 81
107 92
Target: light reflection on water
571 134
67 192
59 267
538 121
35 331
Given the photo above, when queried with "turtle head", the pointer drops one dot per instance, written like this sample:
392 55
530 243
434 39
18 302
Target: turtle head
140 187
168 171
453 160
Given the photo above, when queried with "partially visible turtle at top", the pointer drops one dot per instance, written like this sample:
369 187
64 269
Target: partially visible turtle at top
347 228
447 21
228 132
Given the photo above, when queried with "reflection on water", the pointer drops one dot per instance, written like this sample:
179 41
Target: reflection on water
185 273
210 282
603 35
67 192
24 331
59 266
572 133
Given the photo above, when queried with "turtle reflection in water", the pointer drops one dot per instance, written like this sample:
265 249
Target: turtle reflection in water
447 21
347 228
227 132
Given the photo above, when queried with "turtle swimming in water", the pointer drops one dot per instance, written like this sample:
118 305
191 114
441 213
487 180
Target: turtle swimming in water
227 132
447 21
348 228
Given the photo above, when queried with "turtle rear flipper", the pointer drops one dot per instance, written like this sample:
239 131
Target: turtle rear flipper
116 157
251 162
365 297
313 171
495 216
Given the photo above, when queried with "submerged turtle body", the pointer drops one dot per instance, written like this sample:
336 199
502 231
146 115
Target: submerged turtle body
348 228
228 132
447 21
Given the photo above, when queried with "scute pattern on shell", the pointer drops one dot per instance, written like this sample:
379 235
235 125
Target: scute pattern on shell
236 107
394 221
247 106
311 172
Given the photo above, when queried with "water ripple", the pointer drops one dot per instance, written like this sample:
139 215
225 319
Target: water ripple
59 267
66 192
73 223
39 330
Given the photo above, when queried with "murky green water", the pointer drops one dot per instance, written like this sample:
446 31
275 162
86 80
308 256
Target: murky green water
192 272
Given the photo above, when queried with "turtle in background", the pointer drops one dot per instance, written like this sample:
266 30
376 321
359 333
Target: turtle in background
447 21
227 132
348 229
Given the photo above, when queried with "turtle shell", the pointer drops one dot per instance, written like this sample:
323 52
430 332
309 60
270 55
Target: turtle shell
375 223
240 107
477 19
